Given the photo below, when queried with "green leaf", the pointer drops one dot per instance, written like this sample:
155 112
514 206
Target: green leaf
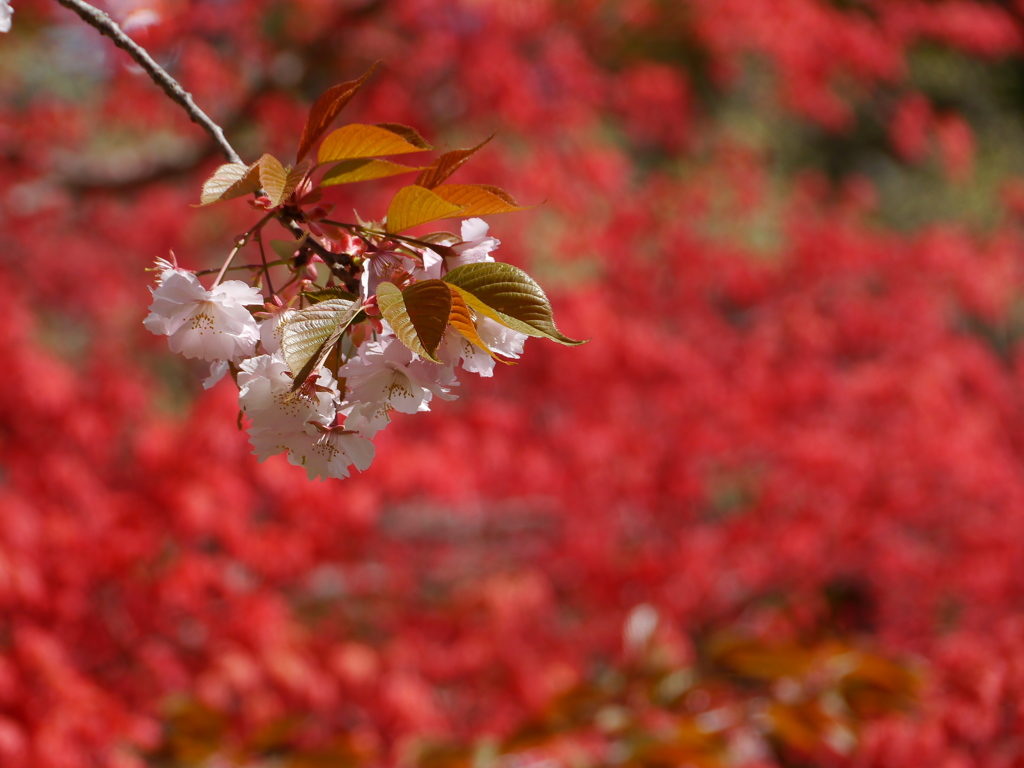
349 171
323 294
309 334
285 249
508 295
418 315
447 164
414 205
230 180
326 108
358 141
479 199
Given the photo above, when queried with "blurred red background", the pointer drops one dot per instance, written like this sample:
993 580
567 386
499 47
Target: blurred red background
772 514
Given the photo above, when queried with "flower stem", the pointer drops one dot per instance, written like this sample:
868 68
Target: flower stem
239 245
263 258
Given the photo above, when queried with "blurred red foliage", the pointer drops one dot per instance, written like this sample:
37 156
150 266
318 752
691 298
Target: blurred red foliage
838 420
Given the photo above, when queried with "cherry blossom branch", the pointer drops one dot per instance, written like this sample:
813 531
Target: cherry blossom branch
240 243
263 258
107 26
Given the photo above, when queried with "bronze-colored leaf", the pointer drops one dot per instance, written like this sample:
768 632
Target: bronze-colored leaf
479 199
429 304
418 315
411 135
447 164
326 108
295 177
753 658
803 727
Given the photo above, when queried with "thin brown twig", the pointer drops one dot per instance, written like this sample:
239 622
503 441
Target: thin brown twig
340 263
107 26
263 258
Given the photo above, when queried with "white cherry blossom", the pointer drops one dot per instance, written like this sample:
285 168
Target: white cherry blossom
298 422
431 266
205 324
271 329
265 395
331 454
5 16
500 339
379 267
367 418
282 420
476 246
456 348
386 376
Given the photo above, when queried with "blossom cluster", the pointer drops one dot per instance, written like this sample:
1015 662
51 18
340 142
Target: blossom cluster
326 422
372 319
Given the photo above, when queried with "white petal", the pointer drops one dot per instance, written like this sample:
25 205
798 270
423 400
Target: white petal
179 287
267 443
367 418
360 450
402 393
271 330
331 454
500 339
265 396
431 267
5 16
212 331
217 370
235 291
435 379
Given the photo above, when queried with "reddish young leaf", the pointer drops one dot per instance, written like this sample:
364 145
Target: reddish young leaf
418 315
408 133
447 164
429 304
326 108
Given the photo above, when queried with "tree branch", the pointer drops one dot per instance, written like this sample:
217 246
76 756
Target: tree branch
340 263
107 26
